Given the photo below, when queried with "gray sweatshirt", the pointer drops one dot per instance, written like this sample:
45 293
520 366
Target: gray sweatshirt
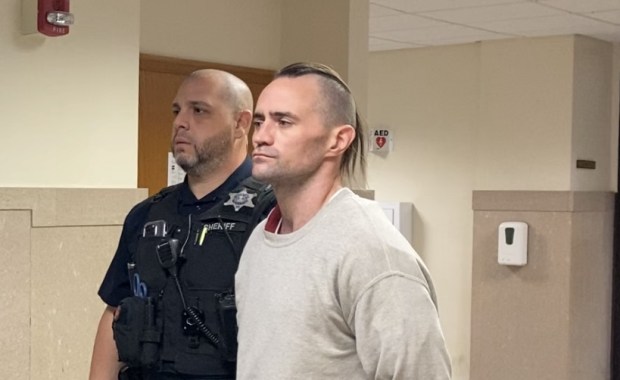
344 297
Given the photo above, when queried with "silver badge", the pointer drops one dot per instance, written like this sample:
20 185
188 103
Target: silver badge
240 199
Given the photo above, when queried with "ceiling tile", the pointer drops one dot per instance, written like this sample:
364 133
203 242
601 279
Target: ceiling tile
413 6
603 32
440 22
379 11
611 16
551 25
469 39
375 44
583 6
493 13
400 21
428 35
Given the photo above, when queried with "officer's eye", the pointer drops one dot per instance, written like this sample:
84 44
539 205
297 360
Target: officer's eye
284 123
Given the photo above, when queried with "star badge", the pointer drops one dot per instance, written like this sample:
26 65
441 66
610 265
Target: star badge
240 199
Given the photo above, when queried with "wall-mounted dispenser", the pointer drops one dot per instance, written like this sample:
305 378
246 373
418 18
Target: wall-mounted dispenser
48 17
512 244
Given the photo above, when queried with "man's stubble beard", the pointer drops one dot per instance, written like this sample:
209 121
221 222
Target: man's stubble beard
289 174
208 157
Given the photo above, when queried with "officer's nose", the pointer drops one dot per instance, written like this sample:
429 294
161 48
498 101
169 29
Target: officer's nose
180 120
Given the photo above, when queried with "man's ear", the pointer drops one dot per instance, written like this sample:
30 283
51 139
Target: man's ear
340 139
244 121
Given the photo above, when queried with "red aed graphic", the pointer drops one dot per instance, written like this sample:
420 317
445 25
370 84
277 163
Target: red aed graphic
381 140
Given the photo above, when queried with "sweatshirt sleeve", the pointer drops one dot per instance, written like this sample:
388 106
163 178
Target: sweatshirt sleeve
397 330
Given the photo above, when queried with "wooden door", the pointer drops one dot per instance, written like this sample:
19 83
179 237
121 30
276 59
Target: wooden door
160 77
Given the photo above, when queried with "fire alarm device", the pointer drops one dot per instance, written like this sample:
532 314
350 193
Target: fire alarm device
49 17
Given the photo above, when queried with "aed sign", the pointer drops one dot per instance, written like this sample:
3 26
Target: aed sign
381 140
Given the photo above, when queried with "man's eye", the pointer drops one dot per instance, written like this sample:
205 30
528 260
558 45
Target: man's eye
257 123
199 110
284 123
175 112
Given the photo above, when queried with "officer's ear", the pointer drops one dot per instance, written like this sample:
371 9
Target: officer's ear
243 123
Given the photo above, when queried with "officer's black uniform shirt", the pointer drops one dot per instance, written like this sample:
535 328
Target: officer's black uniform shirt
115 286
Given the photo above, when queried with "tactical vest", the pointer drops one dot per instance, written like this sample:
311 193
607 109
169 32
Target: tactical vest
185 270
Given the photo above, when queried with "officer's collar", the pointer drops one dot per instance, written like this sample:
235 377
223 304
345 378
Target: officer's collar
188 199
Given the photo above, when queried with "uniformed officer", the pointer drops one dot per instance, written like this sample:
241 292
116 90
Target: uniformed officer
169 289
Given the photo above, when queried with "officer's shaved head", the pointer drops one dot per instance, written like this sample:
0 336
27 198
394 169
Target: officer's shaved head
231 89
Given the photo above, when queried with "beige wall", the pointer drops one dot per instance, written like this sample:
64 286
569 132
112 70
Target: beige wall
316 30
591 114
357 77
68 104
432 111
333 32
236 32
524 132
549 319
544 103
497 115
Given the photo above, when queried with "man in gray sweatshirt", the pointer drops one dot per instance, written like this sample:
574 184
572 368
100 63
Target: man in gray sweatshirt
327 288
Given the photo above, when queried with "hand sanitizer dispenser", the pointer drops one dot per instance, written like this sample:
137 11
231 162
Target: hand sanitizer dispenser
512 247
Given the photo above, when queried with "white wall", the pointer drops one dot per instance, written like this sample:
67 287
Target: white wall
524 134
592 89
69 104
545 103
497 115
428 98
235 32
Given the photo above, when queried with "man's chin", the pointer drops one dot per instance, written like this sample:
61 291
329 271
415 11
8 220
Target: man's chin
260 175
184 162
264 176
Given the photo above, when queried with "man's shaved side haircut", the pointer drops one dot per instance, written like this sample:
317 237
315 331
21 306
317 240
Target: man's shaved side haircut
337 107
